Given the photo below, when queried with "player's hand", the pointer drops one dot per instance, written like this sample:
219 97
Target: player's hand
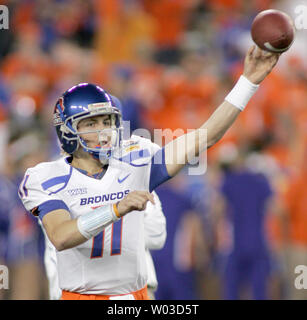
258 64
135 200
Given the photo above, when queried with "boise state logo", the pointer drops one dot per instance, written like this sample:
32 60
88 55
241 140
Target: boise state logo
57 119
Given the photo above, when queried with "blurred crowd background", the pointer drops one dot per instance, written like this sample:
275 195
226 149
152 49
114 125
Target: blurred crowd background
236 232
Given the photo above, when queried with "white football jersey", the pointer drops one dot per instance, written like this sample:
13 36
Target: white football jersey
113 262
155 236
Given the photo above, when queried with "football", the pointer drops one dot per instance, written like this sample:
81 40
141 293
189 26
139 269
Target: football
273 31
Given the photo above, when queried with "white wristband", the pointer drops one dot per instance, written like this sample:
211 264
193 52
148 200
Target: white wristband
241 93
93 222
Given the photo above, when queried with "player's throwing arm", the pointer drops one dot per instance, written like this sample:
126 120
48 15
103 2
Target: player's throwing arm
257 65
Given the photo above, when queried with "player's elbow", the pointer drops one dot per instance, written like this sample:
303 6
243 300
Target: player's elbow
61 241
59 244
59 248
57 239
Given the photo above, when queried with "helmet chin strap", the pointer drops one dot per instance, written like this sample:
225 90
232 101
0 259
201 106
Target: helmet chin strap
98 154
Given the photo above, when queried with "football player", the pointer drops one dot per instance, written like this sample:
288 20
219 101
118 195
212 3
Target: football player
91 202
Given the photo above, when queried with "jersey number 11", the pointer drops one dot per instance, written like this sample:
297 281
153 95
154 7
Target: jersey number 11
116 241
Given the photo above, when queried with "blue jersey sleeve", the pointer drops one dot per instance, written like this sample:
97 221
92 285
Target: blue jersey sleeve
158 172
49 206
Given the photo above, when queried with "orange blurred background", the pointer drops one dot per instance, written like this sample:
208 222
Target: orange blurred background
171 62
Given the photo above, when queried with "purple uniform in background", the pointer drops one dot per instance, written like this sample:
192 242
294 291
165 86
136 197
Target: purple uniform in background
7 203
176 278
25 238
248 263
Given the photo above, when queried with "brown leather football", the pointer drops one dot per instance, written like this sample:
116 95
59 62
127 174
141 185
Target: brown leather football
273 30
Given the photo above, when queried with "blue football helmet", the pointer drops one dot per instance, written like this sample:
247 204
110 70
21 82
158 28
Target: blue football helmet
83 101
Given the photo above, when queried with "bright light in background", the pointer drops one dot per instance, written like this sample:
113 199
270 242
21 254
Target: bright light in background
25 106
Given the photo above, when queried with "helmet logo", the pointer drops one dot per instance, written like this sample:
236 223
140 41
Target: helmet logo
57 120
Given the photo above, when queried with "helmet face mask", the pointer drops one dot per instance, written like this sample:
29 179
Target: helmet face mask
103 143
88 101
